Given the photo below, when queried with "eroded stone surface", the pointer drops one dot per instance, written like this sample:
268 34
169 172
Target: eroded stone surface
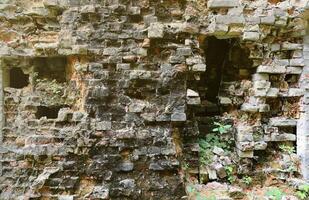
119 84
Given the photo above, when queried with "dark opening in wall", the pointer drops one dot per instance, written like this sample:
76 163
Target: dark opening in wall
216 52
292 79
54 68
48 112
227 62
17 78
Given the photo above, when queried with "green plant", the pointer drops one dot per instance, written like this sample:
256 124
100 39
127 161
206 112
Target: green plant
246 180
221 128
287 149
185 165
229 171
303 191
199 197
274 193
206 147
190 189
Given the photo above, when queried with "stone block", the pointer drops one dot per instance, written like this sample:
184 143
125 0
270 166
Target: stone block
194 60
199 68
260 145
230 19
88 9
110 51
220 170
275 47
271 69
272 92
247 107
297 62
245 154
78 116
261 84
80 49
137 106
126 166
251 36
123 66
103 126
245 146
192 93
39 139
282 121
225 101
148 19
281 62
291 46
268 20
94 67
178 117
66 197
212 174
280 137
100 192
134 10
193 100
50 3
220 30
294 70
156 30
64 114
186 51
264 108
260 92
222 3
244 133
177 59
295 92
260 77
217 150
99 91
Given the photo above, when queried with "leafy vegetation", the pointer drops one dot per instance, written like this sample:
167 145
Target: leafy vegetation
274 193
206 147
221 128
211 140
192 191
230 176
287 149
246 180
303 191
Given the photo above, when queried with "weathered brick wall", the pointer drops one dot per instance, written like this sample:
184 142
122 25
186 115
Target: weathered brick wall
123 104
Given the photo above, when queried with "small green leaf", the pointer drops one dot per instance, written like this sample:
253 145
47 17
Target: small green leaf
215 129
301 195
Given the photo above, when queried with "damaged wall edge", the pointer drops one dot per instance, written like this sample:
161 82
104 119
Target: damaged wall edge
303 121
2 115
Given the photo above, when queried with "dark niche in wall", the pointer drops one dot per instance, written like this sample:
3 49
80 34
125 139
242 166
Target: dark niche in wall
50 112
52 68
216 53
18 79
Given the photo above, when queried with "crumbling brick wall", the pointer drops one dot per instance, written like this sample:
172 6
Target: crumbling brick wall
117 74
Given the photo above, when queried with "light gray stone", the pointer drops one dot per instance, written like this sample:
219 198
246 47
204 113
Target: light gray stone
103 126
282 121
223 3
192 93
178 117
251 36
156 30
199 68
271 69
